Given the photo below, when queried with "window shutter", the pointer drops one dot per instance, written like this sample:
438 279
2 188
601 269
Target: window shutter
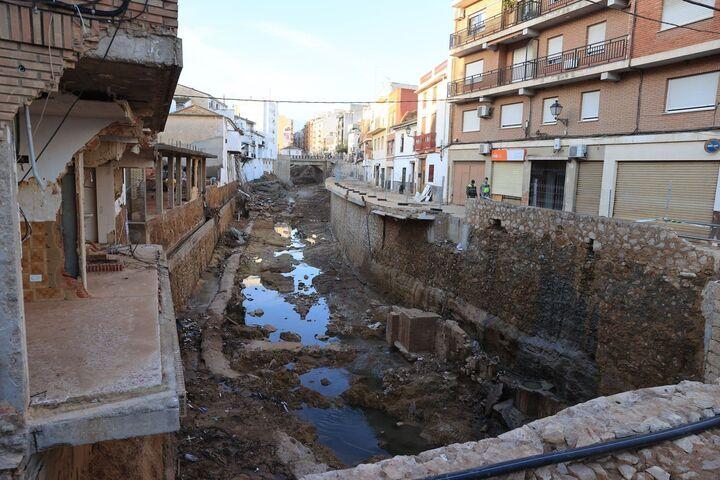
474 68
511 115
471 121
682 13
590 105
696 91
596 33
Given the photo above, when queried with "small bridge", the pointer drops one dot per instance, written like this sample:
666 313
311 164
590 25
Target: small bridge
283 166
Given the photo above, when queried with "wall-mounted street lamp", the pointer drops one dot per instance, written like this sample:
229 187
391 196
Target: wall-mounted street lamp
408 132
556 109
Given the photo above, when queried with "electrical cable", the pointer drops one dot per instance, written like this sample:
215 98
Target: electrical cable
83 8
600 449
79 96
700 4
28 225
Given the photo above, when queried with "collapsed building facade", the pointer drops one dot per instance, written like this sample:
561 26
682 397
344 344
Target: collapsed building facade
89 348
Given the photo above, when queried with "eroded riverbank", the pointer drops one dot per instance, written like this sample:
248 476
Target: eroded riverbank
311 384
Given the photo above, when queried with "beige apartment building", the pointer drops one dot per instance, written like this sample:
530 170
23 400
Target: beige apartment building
596 107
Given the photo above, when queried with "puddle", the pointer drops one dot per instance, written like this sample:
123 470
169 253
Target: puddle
353 434
339 379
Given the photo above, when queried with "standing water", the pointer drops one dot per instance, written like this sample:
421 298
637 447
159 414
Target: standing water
353 434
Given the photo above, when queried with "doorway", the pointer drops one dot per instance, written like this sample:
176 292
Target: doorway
547 184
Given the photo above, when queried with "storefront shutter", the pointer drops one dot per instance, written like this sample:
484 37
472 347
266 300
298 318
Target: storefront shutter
677 190
587 201
507 179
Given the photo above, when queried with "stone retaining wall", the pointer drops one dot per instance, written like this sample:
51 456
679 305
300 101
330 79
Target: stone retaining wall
194 255
603 419
592 305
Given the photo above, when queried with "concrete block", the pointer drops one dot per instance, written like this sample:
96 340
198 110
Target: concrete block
417 330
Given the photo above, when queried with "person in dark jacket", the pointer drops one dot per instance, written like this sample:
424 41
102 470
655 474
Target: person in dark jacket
471 190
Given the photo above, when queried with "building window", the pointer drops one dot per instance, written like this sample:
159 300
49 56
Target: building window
475 69
431 173
547 117
596 38
590 107
682 13
402 143
476 23
511 116
471 121
554 50
693 92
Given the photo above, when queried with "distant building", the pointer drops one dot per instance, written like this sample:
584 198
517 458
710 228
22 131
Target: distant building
265 116
285 133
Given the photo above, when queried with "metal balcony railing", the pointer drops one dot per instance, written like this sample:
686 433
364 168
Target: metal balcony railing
425 142
571 60
522 11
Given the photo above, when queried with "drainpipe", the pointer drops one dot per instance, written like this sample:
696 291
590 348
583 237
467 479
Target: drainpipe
31 149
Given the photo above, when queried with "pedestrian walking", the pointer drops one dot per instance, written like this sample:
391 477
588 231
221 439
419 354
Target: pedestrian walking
485 188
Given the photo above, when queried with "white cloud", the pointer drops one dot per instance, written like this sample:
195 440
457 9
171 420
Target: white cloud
294 36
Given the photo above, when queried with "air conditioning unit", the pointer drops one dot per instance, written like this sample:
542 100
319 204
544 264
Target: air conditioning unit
459 13
484 111
485 149
578 151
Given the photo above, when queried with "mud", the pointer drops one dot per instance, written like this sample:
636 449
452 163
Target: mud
314 385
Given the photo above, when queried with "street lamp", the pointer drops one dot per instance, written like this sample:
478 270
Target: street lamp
408 132
556 109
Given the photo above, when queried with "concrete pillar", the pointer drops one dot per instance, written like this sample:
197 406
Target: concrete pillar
527 174
171 183
13 349
178 182
158 183
607 194
203 174
80 192
105 201
571 180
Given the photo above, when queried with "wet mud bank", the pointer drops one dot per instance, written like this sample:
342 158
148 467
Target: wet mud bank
307 382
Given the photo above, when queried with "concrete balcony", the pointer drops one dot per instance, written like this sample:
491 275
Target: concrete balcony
522 21
106 367
588 61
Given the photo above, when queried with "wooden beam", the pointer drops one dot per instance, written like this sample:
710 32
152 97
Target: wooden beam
171 182
158 183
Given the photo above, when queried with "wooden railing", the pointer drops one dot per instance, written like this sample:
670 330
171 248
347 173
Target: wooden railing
425 142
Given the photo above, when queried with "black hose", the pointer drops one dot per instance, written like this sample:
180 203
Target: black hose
538 461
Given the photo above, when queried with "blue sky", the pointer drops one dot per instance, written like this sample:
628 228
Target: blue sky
310 49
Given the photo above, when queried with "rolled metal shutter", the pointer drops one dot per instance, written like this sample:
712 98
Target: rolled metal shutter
507 179
587 200
682 191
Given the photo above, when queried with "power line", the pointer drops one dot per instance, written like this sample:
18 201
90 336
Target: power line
700 4
661 22
323 102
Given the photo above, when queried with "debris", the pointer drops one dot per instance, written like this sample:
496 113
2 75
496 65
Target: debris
191 458
290 337
325 382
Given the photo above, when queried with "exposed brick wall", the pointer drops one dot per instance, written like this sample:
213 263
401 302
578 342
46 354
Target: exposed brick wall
43 254
216 197
48 41
650 39
592 305
618 107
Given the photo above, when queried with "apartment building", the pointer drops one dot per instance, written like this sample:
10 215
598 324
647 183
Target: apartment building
88 353
390 110
433 131
285 133
597 107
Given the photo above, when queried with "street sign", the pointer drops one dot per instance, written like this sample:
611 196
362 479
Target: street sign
508 155
712 145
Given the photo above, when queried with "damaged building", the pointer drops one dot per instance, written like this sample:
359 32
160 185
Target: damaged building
91 206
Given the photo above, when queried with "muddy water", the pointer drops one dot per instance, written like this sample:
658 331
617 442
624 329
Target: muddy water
353 434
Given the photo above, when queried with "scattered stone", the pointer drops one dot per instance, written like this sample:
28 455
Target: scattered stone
627 471
325 382
711 465
375 326
191 458
269 328
322 338
658 473
290 337
257 313
582 472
